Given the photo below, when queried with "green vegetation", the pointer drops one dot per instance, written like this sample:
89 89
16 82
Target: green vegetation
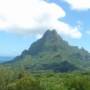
52 53
13 80
49 64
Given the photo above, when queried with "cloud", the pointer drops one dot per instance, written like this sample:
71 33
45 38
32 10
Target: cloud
79 4
65 29
33 17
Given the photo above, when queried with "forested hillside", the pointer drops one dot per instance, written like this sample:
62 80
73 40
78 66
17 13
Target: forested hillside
49 64
52 53
23 80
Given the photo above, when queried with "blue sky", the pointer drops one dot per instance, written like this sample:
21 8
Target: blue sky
18 31
74 17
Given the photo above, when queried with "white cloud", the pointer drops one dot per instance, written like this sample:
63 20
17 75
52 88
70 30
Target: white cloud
33 17
79 4
66 29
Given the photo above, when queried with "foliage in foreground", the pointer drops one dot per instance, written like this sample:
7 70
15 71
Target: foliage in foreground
13 80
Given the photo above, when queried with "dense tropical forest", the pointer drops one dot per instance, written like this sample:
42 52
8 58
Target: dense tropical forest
49 64
13 80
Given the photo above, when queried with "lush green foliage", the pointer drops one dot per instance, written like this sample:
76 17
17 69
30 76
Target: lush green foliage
13 80
46 59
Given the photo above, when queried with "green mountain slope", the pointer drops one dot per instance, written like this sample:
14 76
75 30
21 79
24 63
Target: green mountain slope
52 53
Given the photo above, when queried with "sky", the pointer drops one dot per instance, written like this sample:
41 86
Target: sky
24 21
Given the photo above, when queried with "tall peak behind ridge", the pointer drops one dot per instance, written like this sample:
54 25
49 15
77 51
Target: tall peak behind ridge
50 42
51 35
51 52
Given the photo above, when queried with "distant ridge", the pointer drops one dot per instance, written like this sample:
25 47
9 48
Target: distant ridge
5 58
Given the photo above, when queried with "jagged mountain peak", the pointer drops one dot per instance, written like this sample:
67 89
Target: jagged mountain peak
51 41
51 52
51 35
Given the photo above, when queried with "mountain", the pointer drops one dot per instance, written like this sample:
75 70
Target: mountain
50 42
52 53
